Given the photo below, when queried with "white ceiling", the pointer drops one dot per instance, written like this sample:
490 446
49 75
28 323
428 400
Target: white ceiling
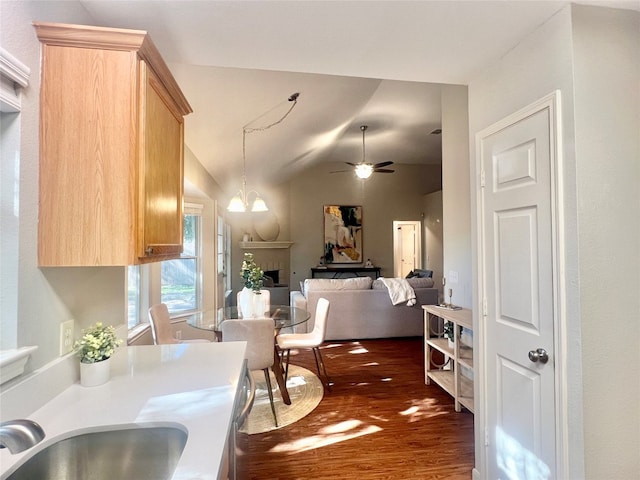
353 62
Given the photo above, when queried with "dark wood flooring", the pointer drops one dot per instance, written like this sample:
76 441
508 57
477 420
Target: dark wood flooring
380 421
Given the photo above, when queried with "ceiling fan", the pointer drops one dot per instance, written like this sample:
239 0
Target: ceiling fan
363 169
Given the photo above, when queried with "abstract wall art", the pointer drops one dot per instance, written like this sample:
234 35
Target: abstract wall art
342 234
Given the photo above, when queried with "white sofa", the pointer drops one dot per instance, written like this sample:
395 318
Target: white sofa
361 308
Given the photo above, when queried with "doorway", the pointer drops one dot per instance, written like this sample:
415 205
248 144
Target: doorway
407 254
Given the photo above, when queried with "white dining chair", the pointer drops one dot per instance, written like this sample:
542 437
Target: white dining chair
161 327
258 333
313 340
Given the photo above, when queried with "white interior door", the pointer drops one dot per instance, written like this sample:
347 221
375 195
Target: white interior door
517 289
407 241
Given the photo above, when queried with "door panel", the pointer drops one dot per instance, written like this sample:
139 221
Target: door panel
518 272
517 257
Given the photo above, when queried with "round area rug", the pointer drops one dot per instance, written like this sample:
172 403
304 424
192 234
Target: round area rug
306 392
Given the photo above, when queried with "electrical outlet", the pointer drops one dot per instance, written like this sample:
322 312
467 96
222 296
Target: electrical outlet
179 334
66 337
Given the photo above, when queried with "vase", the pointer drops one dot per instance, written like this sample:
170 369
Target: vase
261 303
94 374
252 304
246 303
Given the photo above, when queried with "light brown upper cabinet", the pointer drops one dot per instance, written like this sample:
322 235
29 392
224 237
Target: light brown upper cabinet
111 149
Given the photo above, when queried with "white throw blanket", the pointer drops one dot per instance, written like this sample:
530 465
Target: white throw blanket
399 291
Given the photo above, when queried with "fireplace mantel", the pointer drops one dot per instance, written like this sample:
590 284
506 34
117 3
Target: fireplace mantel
255 245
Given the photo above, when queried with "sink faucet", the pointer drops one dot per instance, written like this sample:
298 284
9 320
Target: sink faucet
19 435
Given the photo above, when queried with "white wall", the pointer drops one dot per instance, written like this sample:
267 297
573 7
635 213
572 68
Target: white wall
591 56
432 225
45 297
540 64
456 202
607 124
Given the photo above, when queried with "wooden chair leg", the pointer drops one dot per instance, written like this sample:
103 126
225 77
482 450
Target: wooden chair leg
320 362
273 407
286 368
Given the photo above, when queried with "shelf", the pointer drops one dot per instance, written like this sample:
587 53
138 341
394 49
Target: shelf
465 395
467 402
462 317
460 357
442 345
466 357
256 245
444 378
12 362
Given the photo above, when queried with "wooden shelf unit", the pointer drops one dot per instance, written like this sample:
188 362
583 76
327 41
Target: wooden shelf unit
451 380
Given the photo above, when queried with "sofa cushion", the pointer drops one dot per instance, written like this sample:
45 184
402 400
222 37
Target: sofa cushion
420 282
356 283
419 272
414 282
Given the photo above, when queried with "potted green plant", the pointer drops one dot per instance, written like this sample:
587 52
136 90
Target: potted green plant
95 348
449 333
252 274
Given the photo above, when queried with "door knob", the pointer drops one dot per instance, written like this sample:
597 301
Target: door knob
539 355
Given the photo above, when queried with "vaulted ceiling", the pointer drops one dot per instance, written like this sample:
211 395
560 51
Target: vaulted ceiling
354 63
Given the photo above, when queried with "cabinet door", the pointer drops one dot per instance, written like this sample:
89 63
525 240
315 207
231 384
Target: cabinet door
87 183
160 222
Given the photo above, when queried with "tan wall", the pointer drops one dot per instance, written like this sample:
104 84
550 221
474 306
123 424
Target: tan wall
384 198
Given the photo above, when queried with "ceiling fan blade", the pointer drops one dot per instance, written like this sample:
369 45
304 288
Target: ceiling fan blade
382 164
340 171
352 164
382 170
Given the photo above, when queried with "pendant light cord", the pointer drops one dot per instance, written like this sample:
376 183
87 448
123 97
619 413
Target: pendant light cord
246 129
293 98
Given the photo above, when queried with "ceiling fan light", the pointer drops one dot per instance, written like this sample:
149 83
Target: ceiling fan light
236 204
364 170
259 205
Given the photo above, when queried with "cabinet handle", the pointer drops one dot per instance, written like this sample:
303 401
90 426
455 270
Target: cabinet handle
149 251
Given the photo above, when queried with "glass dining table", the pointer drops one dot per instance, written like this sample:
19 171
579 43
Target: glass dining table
284 317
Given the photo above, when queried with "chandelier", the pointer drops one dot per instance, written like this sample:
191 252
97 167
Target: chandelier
241 201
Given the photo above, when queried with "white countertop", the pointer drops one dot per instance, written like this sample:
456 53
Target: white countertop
193 385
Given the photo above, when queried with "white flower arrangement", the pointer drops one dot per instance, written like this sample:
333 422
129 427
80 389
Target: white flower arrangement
252 275
97 343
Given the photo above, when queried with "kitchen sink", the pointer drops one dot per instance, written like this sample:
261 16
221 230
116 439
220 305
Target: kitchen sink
127 453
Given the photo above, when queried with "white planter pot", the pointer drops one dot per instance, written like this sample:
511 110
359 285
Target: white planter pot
260 306
94 374
252 304
246 301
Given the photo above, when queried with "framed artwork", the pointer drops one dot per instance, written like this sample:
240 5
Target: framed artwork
342 233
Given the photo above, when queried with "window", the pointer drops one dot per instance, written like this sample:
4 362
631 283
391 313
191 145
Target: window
221 249
133 295
14 76
180 278
178 283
